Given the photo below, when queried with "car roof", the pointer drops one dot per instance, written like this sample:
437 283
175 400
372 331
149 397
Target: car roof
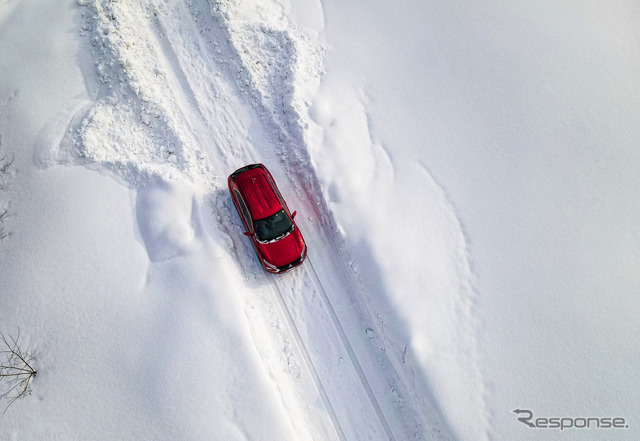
258 194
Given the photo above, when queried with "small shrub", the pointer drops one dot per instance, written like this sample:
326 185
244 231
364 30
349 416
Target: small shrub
5 163
16 370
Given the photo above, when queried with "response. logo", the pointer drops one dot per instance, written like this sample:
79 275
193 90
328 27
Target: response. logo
525 416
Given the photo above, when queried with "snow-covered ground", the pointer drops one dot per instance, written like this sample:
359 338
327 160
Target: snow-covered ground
467 182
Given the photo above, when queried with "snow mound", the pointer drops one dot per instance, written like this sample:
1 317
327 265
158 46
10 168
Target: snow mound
165 213
135 129
278 64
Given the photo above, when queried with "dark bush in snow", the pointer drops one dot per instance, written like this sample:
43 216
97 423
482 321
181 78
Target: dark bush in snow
16 370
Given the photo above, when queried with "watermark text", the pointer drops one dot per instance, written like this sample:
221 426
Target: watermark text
526 417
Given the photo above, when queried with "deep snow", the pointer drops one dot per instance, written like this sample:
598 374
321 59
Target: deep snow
466 178
526 115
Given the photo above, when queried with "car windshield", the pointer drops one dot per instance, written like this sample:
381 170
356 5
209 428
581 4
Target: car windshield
273 227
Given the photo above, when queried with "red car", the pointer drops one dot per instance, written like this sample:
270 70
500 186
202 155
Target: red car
267 219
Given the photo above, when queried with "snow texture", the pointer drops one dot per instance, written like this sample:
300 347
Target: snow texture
466 181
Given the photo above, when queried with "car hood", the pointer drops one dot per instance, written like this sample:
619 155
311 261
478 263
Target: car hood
283 251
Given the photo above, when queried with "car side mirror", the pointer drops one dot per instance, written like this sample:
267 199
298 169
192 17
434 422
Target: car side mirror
293 214
246 233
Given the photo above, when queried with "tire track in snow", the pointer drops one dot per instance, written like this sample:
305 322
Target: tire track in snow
174 64
409 414
183 92
201 88
378 379
310 269
307 358
342 381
